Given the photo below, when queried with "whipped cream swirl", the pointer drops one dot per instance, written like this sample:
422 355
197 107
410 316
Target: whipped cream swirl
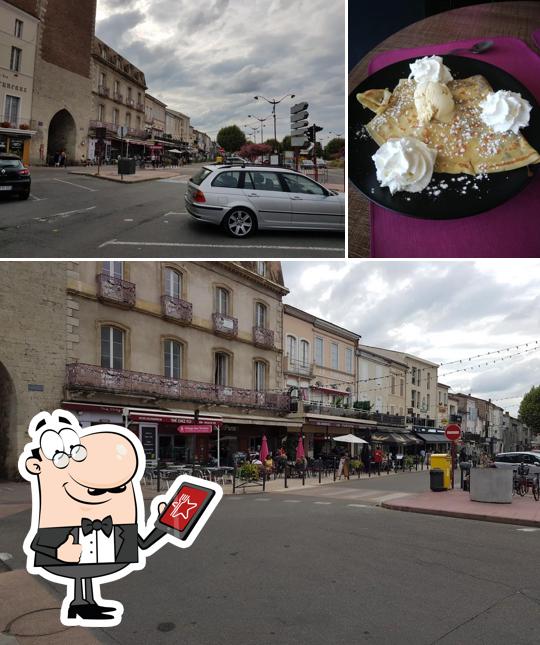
430 68
504 110
404 164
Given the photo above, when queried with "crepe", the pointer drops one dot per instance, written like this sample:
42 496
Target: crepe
465 145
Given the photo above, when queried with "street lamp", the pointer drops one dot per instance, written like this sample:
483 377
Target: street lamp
261 121
273 103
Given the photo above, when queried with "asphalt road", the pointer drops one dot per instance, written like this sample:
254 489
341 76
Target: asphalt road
78 216
318 569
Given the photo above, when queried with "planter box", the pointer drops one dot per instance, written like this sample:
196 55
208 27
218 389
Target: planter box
491 485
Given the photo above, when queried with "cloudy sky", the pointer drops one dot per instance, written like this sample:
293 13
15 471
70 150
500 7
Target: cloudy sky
209 59
442 311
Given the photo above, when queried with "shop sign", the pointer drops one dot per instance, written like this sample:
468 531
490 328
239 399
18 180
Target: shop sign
195 429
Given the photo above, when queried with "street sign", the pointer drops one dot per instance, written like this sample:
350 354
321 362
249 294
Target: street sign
299 125
300 132
299 107
122 131
452 432
299 116
298 142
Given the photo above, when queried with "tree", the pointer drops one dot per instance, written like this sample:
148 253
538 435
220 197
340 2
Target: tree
231 138
335 149
275 145
286 143
253 150
529 410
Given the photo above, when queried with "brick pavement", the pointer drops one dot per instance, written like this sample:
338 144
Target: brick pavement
456 503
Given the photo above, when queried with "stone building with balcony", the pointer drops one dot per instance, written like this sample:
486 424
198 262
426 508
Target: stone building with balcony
154 116
118 99
151 343
319 369
62 87
18 40
443 409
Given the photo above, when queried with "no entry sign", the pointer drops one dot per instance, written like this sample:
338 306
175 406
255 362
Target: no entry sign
453 432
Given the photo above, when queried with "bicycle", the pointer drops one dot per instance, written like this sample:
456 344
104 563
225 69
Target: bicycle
520 483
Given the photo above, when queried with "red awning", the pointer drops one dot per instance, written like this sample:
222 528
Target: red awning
162 417
330 390
91 407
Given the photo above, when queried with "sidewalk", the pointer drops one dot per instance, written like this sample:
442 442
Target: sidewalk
110 173
276 485
30 613
456 503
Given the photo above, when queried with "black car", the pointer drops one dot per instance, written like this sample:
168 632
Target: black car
14 177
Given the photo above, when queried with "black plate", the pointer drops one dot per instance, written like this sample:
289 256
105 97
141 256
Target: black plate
451 203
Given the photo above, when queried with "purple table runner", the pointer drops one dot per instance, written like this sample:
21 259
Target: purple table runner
510 230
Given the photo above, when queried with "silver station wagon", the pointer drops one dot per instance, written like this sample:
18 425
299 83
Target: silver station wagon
246 198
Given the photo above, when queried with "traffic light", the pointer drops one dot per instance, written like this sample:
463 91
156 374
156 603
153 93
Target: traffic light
312 133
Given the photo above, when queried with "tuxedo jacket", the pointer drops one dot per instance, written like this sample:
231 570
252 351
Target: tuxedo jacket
127 542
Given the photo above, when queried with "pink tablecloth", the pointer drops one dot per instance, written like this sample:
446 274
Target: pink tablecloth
510 230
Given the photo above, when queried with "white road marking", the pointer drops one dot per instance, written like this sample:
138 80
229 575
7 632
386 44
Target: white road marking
173 213
222 246
64 214
174 180
5 556
291 501
38 199
325 503
128 220
528 530
359 505
262 499
63 181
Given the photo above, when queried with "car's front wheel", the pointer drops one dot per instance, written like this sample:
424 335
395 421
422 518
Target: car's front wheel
240 222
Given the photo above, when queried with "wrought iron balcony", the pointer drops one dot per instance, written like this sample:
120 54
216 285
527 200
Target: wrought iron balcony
353 413
104 91
118 97
92 378
295 366
115 290
130 102
225 325
177 309
263 337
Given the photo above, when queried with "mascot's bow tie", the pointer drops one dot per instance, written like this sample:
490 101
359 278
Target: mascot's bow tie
104 525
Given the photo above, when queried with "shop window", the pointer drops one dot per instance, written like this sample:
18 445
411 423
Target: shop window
173 353
128 119
112 348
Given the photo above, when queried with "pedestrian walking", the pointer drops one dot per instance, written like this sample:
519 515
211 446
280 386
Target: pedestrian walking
377 458
346 462
422 457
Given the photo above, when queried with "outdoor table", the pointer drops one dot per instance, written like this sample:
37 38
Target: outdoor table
517 19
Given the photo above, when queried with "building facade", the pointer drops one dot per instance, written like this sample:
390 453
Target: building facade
381 383
155 342
443 408
61 105
32 350
118 99
155 117
420 386
18 41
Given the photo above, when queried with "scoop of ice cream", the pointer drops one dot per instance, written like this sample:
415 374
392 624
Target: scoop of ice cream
430 68
404 164
433 100
504 110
